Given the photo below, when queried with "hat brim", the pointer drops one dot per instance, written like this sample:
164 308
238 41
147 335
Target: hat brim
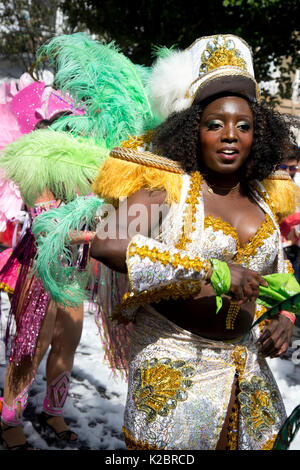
225 79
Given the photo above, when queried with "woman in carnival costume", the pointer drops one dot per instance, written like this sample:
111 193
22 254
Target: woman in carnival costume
10 202
198 378
62 165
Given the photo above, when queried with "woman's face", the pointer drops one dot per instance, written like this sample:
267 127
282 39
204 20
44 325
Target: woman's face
226 134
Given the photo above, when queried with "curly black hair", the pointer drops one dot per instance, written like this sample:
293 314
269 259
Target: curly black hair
178 139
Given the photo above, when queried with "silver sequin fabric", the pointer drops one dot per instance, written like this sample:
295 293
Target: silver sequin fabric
180 383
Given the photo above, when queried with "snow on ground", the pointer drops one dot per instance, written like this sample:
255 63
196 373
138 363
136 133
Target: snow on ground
95 406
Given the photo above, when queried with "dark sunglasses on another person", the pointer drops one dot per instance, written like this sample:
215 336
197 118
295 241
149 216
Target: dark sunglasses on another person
289 167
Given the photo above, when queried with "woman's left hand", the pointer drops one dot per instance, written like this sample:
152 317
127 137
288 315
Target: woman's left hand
276 336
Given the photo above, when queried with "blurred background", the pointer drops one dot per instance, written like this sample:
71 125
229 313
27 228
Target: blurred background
271 27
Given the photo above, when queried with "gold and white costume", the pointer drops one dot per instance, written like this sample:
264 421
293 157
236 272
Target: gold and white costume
180 383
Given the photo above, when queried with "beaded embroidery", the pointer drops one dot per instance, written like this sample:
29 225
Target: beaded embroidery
160 384
256 399
231 315
189 218
250 248
220 52
42 207
270 443
233 434
180 290
288 266
218 224
165 257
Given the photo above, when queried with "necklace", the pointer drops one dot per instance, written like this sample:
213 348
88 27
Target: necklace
210 187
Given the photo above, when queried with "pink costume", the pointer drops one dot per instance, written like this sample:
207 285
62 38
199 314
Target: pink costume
22 106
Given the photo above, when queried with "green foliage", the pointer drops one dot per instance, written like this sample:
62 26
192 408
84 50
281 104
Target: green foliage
25 25
269 26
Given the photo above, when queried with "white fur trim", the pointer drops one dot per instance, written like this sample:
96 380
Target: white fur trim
169 81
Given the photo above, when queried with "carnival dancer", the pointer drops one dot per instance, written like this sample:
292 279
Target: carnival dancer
198 378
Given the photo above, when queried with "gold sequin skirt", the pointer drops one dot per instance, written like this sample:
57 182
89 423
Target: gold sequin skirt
180 385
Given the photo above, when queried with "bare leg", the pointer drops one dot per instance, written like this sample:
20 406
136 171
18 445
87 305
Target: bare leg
19 377
66 337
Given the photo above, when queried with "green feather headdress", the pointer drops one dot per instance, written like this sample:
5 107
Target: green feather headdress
55 160
54 263
105 83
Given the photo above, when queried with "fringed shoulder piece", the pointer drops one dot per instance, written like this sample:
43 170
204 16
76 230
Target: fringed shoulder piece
132 167
283 192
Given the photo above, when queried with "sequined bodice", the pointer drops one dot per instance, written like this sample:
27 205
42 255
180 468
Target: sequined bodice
187 228
42 207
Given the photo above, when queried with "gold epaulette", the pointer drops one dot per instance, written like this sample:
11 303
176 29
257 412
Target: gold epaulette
283 192
146 158
127 170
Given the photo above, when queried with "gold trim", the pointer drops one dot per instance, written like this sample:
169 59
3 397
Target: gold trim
233 428
146 158
133 444
266 198
279 175
232 313
270 443
250 248
259 311
134 141
175 291
289 266
219 224
164 257
189 217
239 356
208 78
6 288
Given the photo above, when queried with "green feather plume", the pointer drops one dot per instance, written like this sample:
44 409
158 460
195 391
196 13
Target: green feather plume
55 160
110 88
162 51
54 262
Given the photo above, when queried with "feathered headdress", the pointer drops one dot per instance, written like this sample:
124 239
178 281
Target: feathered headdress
112 89
54 263
55 160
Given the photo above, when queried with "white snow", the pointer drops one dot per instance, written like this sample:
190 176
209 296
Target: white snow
96 403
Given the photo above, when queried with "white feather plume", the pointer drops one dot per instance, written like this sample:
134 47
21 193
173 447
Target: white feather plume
169 82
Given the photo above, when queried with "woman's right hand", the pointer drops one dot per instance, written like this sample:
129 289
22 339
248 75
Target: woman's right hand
244 283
